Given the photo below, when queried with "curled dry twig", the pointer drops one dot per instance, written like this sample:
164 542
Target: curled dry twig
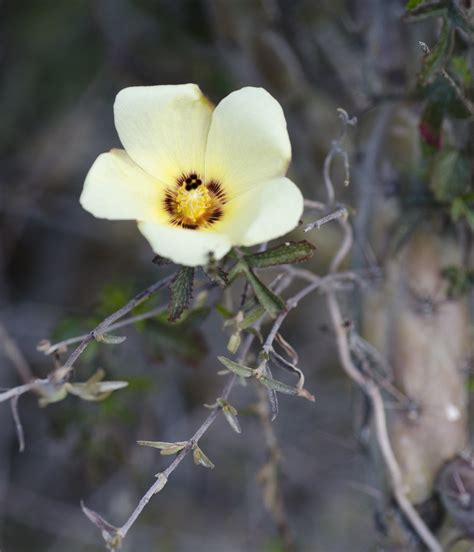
369 387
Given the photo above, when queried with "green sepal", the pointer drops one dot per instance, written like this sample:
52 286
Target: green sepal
181 292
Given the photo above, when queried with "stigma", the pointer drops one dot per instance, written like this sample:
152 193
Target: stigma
194 204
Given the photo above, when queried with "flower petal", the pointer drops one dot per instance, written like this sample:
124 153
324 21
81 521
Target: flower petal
185 247
263 213
164 128
248 141
117 188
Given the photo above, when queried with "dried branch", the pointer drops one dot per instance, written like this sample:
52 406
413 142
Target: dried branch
340 213
13 352
18 425
15 392
163 476
368 386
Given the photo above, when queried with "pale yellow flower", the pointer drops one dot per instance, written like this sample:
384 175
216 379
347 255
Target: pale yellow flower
198 180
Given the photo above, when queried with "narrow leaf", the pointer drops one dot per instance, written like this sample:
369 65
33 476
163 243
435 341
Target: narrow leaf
251 317
284 388
200 459
235 271
165 448
412 4
272 396
110 533
269 301
419 10
110 339
230 414
181 292
239 369
290 252
278 386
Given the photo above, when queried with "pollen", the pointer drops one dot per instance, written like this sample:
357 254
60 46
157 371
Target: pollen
194 204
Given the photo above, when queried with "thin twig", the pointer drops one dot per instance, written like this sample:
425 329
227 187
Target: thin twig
48 349
340 213
291 303
13 352
105 324
21 389
459 92
18 425
370 388
336 149
162 477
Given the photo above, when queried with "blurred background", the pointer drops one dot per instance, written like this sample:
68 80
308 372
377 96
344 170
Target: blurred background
62 271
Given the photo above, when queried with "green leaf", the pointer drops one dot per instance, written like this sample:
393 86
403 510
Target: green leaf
449 175
278 385
200 459
235 271
443 97
463 207
290 252
419 10
165 448
459 18
269 301
181 292
236 368
460 280
224 311
412 4
461 70
438 56
251 317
